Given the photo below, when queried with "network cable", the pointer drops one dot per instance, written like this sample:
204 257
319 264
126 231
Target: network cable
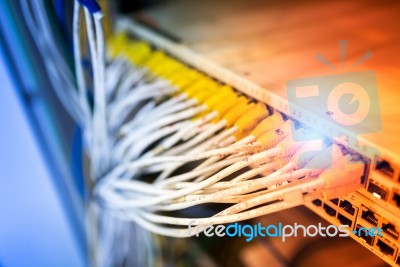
202 141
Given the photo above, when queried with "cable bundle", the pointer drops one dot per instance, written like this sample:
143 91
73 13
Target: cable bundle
163 137
181 116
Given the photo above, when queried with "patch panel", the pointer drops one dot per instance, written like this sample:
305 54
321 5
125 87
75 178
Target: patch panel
373 216
384 191
383 184
360 213
381 192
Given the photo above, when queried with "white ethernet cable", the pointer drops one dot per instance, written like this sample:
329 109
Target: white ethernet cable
114 71
59 74
101 76
169 106
159 110
270 123
250 119
331 183
129 142
171 182
178 180
177 195
145 202
206 131
144 162
270 131
198 122
122 107
173 115
287 172
101 143
277 143
79 72
164 121
241 187
179 135
139 147
254 115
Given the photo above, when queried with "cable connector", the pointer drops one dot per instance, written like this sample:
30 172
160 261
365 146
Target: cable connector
273 137
341 181
234 113
269 123
249 120
288 146
326 159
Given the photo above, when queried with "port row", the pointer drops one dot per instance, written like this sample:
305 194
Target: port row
361 217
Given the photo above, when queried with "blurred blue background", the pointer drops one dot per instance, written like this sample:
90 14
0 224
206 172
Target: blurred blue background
41 184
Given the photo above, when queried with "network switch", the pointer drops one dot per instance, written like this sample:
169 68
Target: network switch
360 213
375 205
